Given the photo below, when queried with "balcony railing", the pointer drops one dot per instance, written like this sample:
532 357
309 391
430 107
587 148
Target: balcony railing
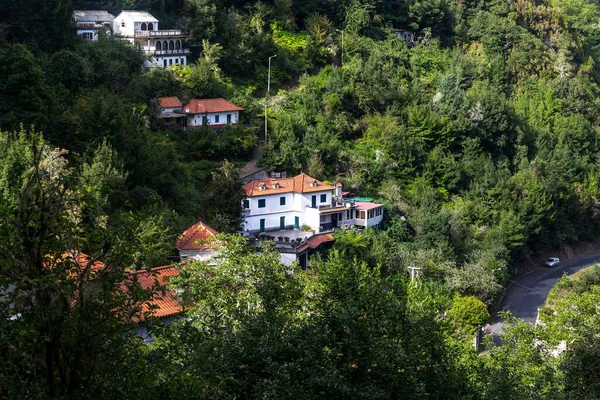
160 33
170 52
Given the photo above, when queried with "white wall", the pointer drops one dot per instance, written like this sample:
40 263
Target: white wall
130 25
287 259
198 118
171 60
203 255
296 205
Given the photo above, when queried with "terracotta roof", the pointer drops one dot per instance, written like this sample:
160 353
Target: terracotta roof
81 260
366 206
198 232
298 184
203 106
169 102
162 304
315 241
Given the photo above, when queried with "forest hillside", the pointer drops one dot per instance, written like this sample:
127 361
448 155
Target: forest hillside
480 134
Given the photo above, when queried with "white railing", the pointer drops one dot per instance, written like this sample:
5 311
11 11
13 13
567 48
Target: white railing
170 52
160 33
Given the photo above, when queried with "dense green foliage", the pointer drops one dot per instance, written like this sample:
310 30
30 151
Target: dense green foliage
482 141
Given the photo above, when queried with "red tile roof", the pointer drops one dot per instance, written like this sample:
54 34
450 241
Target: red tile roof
298 184
203 106
366 206
315 241
200 232
162 304
169 102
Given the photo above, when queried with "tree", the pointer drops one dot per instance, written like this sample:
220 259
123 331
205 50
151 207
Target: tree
225 210
67 310
467 313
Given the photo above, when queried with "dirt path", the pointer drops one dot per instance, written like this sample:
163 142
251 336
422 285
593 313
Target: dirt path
251 166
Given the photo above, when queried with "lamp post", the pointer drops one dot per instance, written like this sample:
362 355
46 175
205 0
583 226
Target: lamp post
342 31
269 78
268 96
265 104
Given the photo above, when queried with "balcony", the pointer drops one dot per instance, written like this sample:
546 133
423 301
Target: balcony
93 25
170 52
160 33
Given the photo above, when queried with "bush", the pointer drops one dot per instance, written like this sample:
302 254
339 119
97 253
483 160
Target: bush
467 313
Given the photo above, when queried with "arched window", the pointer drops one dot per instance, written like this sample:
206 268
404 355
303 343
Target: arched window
177 44
158 45
150 26
144 27
165 45
171 45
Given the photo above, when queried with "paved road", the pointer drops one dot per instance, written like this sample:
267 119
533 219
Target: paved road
527 294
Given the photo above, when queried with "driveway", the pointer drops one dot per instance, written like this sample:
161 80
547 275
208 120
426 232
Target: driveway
525 296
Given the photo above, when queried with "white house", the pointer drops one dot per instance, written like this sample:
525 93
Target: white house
295 213
165 47
90 23
217 112
290 203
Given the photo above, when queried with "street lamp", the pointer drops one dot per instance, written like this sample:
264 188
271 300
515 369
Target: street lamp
342 31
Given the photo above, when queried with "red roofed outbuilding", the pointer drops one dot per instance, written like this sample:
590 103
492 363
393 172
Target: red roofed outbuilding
195 242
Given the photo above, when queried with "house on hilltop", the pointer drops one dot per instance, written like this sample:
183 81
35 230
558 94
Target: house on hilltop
199 112
296 213
277 204
90 23
216 112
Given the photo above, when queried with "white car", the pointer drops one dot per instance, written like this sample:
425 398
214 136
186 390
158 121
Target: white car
552 262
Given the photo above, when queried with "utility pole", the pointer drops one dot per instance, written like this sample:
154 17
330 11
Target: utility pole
268 97
414 273
342 31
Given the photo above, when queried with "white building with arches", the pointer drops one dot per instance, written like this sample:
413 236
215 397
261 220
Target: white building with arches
165 47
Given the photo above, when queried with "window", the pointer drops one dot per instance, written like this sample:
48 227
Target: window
228 118
262 203
217 119
282 201
323 218
87 35
123 24
246 204
361 214
323 198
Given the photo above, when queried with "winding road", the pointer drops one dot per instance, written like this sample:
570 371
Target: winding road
525 296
